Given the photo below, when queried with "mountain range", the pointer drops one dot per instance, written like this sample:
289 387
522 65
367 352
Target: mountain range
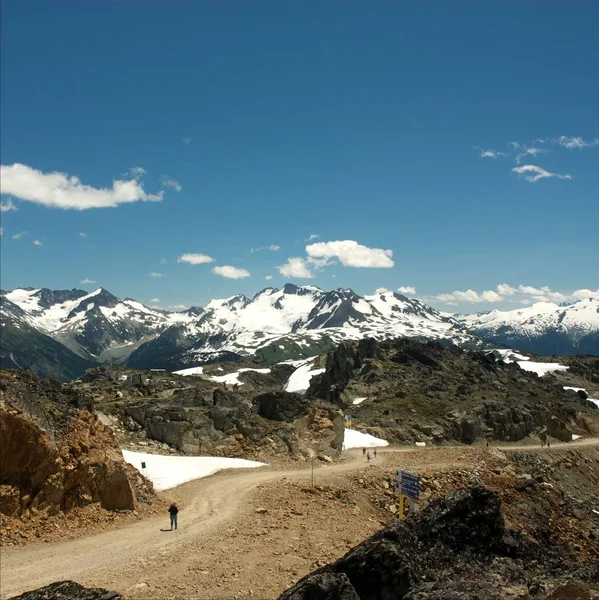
61 333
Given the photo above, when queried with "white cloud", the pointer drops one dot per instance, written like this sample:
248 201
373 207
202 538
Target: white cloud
533 291
268 277
470 296
83 235
406 289
529 152
533 173
87 280
177 306
382 290
272 248
490 153
18 236
351 254
155 274
231 272
170 182
7 205
37 243
575 142
186 140
584 294
135 172
312 236
59 190
154 300
296 267
195 259
505 289
163 261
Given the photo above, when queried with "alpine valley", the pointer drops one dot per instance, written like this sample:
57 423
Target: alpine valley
61 333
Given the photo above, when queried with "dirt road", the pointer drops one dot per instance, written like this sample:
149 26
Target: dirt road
118 558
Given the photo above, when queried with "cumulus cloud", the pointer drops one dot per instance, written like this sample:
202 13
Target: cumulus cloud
171 183
583 294
154 300
575 142
534 173
155 274
7 205
382 290
406 289
83 235
312 236
135 172
458 296
268 277
351 254
271 248
18 236
231 272
87 280
177 306
195 259
505 289
37 243
296 267
59 190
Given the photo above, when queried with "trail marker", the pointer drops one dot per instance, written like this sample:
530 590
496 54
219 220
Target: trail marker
407 485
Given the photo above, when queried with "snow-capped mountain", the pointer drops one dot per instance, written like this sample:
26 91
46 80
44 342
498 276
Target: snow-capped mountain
542 328
97 325
293 322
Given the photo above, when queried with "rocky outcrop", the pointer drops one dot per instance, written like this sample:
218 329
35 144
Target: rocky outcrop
426 392
68 590
55 455
440 553
281 406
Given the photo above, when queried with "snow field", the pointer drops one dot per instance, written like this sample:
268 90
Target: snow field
299 381
541 368
359 400
357 439
167 472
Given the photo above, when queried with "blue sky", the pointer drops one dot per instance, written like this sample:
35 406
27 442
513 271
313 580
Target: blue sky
235 126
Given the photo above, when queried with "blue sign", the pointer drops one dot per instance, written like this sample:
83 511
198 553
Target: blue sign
407 484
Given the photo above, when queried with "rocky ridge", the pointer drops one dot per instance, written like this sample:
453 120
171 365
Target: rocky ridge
56 456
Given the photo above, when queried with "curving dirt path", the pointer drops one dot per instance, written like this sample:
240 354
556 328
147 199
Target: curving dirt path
111 558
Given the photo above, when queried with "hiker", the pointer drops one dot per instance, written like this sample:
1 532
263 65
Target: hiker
375 453
368 456
173 510
548 444
487 443
363 451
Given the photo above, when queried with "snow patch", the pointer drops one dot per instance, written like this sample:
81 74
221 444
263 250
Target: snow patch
421 444
359 400
190 371
357 439
299 381
541 368
167 472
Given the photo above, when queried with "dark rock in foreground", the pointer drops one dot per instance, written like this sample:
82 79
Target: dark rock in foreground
458 548
68 590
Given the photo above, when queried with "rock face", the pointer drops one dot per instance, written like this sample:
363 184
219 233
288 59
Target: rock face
68 590
426 392
441 553
55 454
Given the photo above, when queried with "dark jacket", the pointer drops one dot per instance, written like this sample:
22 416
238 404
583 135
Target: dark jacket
173 509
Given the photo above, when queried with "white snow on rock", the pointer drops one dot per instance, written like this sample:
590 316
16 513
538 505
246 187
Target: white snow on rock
594 401
507 355
421 444
359 400
357 439
575 437
299 381
190 371
541 368
574 389
233 378
167 472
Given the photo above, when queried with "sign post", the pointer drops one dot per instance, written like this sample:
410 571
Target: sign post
407 485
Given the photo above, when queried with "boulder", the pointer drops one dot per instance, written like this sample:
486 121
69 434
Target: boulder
281 406
322 586
68 590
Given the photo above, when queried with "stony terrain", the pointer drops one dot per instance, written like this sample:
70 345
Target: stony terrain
428 393
57 458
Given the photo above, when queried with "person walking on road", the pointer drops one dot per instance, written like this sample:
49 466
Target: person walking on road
375 453
363 451
174 511
368 456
